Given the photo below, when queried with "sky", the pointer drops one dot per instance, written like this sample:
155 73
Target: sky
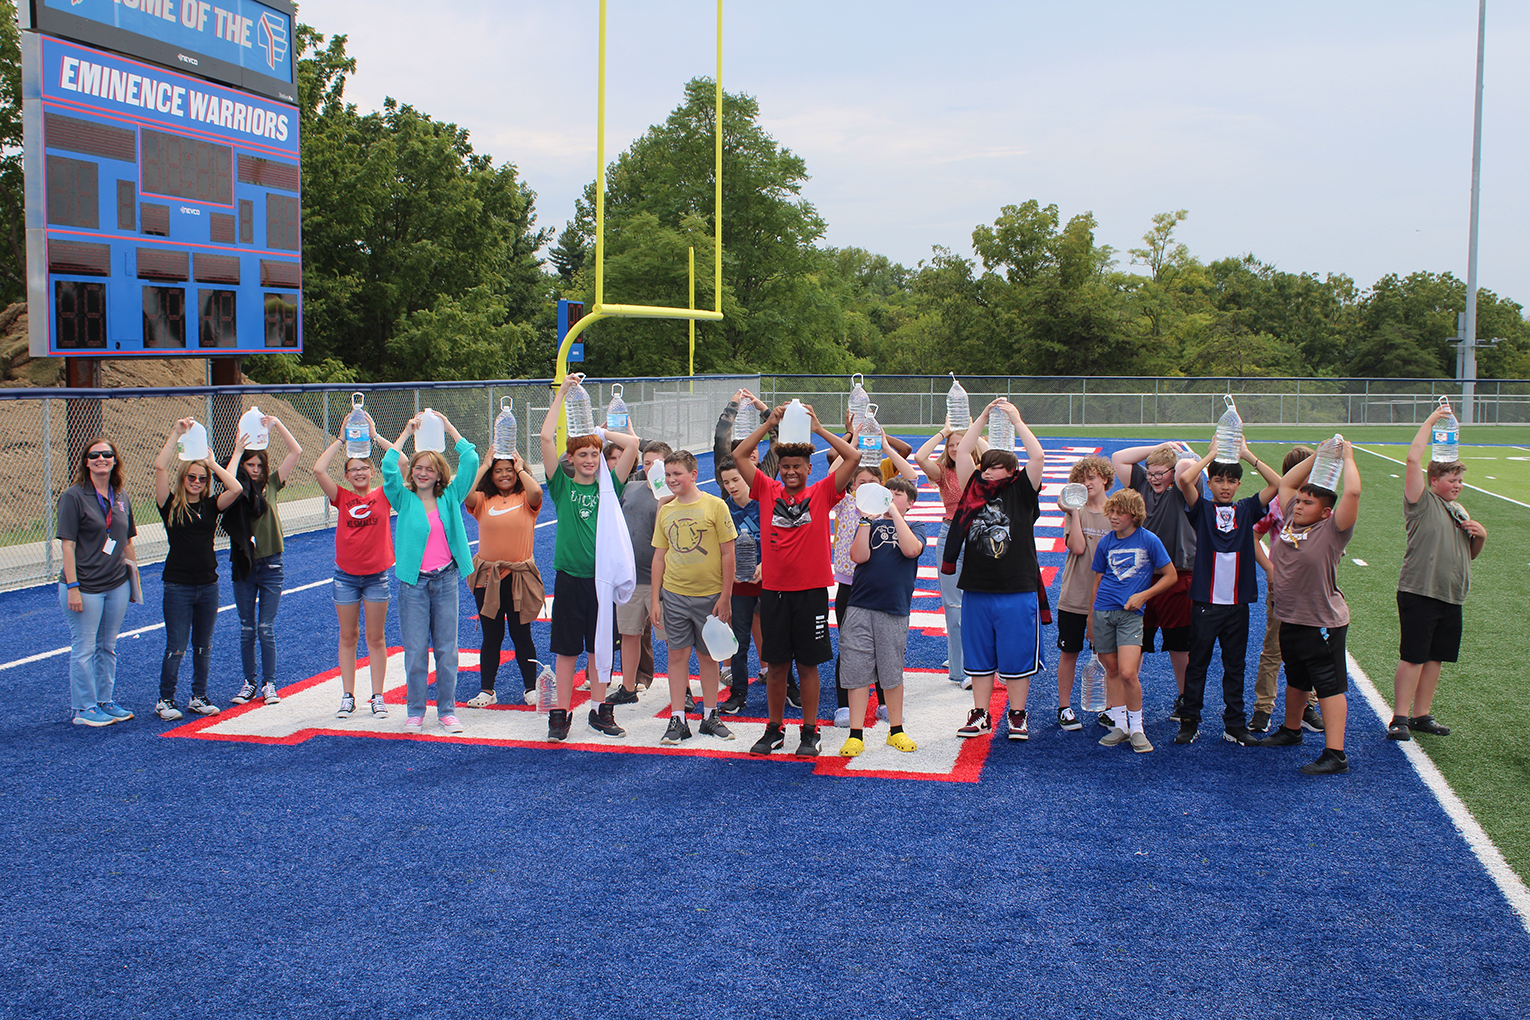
1321 137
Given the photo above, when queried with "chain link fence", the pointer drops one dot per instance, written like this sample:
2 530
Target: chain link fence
46 430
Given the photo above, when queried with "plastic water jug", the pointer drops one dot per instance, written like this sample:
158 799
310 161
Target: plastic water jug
1229 434
249 425
958 407
193 445
1093 696
431 435
547 689
1001 431
719 639
746 421
746 556
796 426
1447 437
617 415
656 483
358 434
872 499
1073 497
1328 464
859 400
868 438
579 419
505 429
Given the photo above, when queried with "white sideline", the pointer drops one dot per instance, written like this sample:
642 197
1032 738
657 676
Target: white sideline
1464 485
1466 824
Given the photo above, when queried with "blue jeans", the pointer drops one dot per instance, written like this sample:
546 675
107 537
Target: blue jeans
427 617
191 611
93 644
951 596
257 598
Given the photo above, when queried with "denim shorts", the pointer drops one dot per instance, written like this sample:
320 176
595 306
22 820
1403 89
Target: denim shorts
353 588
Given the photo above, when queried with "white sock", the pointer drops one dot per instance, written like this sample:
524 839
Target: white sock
1117 716
1134 722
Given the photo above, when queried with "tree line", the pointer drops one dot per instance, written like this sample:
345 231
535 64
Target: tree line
422 259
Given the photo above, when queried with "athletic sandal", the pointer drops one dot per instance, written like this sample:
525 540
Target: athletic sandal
901 742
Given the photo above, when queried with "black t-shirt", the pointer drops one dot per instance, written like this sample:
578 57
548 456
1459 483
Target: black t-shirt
1001 541
191 559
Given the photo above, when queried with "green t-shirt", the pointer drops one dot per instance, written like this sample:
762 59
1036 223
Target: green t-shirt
268 528
1437 562
576 505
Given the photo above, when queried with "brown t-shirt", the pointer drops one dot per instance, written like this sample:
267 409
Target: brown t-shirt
1078 572
1438 561
1306 589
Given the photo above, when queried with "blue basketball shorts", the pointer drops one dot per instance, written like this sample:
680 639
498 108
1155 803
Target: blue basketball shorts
1001 633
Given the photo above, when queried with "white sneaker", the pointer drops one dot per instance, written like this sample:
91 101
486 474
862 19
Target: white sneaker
268 692
379 707
882 712
842 718
201 706
531 695
966 683
483 699
584 684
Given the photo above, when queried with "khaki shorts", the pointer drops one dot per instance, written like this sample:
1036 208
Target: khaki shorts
632 618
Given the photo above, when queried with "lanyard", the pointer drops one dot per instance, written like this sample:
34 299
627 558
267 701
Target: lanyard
106 505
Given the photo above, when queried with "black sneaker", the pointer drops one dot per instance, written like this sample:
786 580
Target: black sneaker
1426 724
621 696
676 731
557 724
1260 723
793 694
1179 704
603 720
1105 720
1398 729
1311 720
773 740
1189 729
1329 763
712 726
735 703
1282 738
808 748
1239 735
1067 720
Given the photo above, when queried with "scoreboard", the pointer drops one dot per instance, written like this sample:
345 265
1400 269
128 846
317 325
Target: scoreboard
163 210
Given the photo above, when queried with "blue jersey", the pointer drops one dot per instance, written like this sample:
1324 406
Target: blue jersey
1224 551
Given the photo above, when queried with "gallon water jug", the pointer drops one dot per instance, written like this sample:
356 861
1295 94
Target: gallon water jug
719 639
1328 464
746 421
1001 431
796 426
193 445
859 399
958 407
656 483
579 419
431 434
505 429
1229 434
746 556
259 437
868 438
547 689
358 434
1447 437
1073 497
1093 696
872 499
617 415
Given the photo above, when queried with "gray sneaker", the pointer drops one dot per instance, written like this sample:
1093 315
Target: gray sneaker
712 726
1115 737
201 706
1140 742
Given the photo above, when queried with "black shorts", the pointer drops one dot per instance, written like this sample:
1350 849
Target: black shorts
1071 628
573 615
1313 662
794 626
1431 629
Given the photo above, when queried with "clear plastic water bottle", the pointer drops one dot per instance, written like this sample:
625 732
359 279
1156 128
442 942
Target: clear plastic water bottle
576 408
505 430
1001 431
1328 464
869 439
250 425
1447 437
431 434
547 689
859 401
358 434
746 420
1093 697
617 415
746 556
1229 434
796 426
958 407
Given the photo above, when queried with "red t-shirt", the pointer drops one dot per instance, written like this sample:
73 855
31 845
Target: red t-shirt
794 533
363 539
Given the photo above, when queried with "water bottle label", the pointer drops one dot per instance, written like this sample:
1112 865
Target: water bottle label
616 421
1442 437
870 443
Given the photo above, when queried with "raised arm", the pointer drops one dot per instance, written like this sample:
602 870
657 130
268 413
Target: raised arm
1189 479
1271 478
1035 456
1415 477
1073 532
849 458
166 456
294 450
1294 479
1347 511
925 457
231 487
549 435
1125 460
905 469
321 470
751 442
629 446
966 464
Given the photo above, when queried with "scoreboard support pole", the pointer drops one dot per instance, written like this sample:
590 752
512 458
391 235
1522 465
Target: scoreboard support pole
82 415
226 407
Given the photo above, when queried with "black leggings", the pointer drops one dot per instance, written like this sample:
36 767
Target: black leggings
494 638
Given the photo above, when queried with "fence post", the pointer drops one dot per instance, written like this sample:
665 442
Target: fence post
48 523
325 395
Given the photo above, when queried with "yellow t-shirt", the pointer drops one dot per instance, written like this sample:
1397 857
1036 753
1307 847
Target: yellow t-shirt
691 535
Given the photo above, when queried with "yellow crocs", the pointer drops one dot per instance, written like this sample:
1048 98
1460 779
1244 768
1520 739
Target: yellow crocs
852 747
902 742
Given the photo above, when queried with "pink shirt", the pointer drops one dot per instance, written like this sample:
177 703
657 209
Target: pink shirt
437 553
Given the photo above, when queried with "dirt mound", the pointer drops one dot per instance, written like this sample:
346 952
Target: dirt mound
19 368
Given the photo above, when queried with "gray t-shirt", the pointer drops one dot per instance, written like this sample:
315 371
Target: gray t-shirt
82 520
1078 572
1438 561
640 510
1167 519
1303 578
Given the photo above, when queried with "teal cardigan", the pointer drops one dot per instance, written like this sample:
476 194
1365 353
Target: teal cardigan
414 526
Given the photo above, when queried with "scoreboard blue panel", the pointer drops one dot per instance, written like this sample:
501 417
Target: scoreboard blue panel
163 211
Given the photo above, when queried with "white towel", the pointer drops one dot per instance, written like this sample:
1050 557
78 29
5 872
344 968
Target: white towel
615 569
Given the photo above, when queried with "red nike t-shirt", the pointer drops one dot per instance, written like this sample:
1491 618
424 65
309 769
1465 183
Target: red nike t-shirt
794 533
363 539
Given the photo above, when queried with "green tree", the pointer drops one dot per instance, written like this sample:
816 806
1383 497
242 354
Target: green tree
13 256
